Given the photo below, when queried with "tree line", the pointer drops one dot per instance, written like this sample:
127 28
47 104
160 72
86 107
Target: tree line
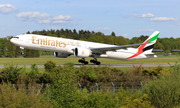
7 49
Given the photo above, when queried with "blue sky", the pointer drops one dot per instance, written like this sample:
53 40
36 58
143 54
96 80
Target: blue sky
127 18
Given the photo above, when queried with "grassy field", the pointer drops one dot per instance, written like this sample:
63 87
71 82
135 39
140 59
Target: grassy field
42 60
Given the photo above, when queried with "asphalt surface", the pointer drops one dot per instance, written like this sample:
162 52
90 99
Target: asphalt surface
111 65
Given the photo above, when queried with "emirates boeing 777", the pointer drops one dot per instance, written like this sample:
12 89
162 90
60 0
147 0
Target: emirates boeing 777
63 48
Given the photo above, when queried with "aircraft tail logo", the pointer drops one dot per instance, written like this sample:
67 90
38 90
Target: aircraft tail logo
147 48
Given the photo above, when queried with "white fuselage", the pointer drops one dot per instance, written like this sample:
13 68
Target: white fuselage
62 45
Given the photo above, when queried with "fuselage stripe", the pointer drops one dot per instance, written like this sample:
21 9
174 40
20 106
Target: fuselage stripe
148 47
140 50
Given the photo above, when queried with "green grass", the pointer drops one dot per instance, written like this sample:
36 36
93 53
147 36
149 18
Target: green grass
42 60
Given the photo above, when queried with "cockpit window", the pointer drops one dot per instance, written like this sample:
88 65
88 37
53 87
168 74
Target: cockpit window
16 37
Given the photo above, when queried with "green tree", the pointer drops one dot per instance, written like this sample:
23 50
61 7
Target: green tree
109 40
64 87
120 40
142 38
43 32
2 47
31 53
17 51
28 32
13 98
133 40
10 73
11 48
49 66
170 96
35 53
113 34
158 45
27 53
33 74
167 51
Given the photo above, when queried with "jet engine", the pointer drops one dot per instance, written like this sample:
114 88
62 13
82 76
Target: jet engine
61 55
82 52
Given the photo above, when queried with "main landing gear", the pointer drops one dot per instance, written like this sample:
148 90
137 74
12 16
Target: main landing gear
95 61
92 61
83 61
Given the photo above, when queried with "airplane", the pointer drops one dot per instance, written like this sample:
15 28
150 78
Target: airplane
63 48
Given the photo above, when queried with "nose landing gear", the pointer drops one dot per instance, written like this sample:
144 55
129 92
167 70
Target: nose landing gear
22 49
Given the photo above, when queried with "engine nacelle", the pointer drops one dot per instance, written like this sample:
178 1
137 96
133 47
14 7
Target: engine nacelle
82 52
61 55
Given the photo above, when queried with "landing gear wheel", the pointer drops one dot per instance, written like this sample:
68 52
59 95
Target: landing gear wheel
80 60
92 61
95 62
83 61
98 63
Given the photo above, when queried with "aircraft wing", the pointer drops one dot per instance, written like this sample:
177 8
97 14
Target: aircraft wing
114 48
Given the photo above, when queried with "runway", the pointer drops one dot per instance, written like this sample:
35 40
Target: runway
111 65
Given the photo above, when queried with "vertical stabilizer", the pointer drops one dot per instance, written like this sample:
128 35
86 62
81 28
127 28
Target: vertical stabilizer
147 48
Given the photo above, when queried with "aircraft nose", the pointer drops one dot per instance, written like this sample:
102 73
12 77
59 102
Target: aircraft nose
12 40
